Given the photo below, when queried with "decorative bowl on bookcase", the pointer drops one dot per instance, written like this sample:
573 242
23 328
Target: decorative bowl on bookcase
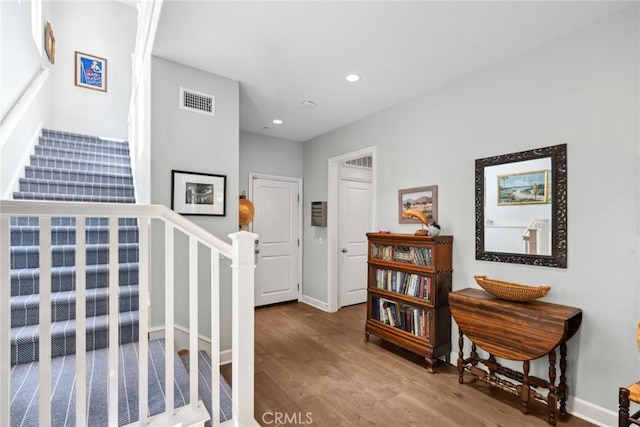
511 291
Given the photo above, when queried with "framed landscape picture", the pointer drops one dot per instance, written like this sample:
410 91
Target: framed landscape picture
423 199
91 72
524 188
195 193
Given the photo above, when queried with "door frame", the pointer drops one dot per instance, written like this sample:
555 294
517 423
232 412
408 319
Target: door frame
332 216
252 177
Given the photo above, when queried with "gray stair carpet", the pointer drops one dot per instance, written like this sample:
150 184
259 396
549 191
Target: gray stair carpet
205 386
81 168
25 398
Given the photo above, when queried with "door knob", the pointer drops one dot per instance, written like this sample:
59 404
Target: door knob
344 250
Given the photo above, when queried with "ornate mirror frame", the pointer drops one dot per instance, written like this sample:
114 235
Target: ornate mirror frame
558 192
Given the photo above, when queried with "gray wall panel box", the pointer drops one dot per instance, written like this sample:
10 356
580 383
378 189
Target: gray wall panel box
318 214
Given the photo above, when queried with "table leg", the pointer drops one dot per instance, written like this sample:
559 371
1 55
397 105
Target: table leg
552 396
524 395
492 359
474 355
562 387
460 357
366 336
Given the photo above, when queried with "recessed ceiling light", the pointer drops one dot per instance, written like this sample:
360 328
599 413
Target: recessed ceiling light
308 104
277 122
352 78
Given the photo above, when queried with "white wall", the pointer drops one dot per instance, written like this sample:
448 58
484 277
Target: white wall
582 90
20 62
188 141
106 29
268 155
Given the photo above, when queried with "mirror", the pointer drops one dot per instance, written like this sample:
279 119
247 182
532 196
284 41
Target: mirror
521 207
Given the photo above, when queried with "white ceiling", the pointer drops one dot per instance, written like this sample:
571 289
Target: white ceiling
283 53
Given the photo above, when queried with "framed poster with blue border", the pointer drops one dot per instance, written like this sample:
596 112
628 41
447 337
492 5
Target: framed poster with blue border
91 72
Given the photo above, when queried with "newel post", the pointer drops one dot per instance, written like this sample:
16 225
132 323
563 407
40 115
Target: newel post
243 272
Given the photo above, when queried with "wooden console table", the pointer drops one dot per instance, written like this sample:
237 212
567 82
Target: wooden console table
515 331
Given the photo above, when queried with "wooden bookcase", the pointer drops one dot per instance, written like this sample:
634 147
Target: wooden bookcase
409 280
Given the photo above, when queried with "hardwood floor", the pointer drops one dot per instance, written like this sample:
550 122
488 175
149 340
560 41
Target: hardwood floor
314 368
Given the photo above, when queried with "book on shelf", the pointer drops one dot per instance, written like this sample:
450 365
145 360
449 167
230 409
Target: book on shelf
384 252
408 255
410 284
410 319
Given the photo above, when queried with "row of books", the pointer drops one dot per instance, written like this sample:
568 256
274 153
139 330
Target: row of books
412 255
383 252
416 321
404 254
409 284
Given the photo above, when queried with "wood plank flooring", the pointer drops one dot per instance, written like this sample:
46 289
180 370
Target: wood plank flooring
314 368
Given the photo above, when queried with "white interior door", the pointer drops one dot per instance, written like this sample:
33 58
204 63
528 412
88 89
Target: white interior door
276 222
354 223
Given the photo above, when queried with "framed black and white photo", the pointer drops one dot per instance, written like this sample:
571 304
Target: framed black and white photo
194 193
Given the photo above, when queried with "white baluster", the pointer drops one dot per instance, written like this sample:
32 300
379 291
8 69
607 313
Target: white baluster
45 321
81 322
193 321
143 310
5 320
168 314
215 337
114 313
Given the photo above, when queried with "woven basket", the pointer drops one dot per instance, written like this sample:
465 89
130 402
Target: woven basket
512 291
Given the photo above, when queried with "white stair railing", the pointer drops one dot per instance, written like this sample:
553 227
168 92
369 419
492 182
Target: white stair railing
241 254
537 237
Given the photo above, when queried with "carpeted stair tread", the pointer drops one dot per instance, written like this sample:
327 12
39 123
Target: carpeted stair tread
80 168
26 281
205 385
89 156
71 136
25 308
79 165
67 328
120 148
72 198
64 255
27 235
66 221
45 186
24 380
25 340
40 172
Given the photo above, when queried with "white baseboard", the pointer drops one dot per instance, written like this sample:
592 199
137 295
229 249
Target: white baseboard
181 340
316 303
590 412
579 408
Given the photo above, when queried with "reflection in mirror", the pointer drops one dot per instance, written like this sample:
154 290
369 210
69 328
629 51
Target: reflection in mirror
517 211
521 207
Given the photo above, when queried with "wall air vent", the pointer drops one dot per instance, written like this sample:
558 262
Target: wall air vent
362 162
197 102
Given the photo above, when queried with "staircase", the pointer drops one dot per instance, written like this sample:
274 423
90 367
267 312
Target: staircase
79 168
